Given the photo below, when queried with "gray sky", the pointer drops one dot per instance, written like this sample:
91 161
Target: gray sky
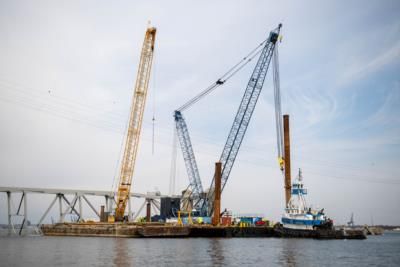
67 71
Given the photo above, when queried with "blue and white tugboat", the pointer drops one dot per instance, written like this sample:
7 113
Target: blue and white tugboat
299 218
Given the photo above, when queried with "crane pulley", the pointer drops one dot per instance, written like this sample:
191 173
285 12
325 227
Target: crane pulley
135 123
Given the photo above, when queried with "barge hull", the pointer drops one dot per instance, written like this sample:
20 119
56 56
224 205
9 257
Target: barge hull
168 231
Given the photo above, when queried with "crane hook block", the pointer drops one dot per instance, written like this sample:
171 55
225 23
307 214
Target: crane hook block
281 163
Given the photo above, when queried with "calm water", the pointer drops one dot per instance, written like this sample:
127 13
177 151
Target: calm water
86 251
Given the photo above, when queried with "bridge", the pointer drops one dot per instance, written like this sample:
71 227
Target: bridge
69 202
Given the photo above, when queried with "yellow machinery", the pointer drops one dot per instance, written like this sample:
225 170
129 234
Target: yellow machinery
135 123
189 221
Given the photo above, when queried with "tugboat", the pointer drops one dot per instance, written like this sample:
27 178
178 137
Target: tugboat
300 218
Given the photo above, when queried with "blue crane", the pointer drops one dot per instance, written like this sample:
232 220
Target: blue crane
204 202
244 113
197 193
188 154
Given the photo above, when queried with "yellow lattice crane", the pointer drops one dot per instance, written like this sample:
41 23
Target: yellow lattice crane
135 123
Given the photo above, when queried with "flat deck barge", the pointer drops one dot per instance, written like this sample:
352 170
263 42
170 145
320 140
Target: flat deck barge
157 230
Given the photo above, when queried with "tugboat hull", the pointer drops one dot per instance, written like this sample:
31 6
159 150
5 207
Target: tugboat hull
281 231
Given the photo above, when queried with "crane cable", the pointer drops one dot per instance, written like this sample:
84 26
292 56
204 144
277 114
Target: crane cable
278 111
153 120
172 176
114 185
225 77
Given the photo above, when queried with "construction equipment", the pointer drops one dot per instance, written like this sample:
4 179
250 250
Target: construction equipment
282 132
196 193
351 222
217 194
188 154
286 166
244 113
278 112
266 50
135 123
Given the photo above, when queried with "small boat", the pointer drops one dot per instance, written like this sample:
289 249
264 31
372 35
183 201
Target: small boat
299 216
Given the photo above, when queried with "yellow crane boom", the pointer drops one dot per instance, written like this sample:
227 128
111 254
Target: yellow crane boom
135 123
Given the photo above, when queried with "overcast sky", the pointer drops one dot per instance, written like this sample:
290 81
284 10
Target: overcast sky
67 70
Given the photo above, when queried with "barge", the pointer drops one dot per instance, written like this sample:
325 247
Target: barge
157 230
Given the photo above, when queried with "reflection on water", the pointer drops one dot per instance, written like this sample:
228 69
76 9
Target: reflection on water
216 251
122 255
287 256
85 251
